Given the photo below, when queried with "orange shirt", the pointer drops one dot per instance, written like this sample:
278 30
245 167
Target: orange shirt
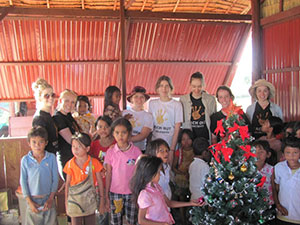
77 174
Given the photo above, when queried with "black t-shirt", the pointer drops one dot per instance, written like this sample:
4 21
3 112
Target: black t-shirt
214 118
44 119
65 149
259 116
198 118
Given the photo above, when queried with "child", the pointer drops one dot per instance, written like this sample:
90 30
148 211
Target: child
112 111
288 128
39 179
264 154
82 172
273 127
141 121
167 114
199 167
153 203
296 129
112 94
120 164
182 160
105 139
160 149
286 178
83 117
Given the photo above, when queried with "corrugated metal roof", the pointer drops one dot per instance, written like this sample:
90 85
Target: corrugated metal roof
281 64
83 55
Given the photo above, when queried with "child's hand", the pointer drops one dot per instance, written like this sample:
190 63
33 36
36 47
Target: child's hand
34 206
197 202
282 210
48 204
61 188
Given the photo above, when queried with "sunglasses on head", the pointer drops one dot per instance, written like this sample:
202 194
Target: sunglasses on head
49 95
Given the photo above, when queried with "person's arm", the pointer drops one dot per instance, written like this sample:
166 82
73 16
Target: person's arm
67 184
142 135
177 204
174 142
214 139
66 134
107 184
101 192
275 190
48 203
142 220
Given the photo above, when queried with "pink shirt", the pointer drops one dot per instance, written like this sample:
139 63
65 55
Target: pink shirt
123 165
152 198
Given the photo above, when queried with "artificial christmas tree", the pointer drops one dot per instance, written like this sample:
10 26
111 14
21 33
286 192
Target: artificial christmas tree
233 188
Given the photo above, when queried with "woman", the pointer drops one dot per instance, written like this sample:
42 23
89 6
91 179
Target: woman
167 114
44 96
225 98
66 125
141 121
262 91
198 106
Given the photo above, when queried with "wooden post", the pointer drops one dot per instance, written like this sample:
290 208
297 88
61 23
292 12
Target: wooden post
122 52
256 41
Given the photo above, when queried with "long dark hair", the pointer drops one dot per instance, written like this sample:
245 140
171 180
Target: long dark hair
147 167
109 91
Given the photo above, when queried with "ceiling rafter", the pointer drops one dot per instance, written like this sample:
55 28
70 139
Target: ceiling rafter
176 5
129 4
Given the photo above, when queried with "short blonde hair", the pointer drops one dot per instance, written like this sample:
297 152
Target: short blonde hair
63 94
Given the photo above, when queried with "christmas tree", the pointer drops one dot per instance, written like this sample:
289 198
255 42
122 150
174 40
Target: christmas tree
233 188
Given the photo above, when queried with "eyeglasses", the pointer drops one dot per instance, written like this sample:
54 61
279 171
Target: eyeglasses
47 96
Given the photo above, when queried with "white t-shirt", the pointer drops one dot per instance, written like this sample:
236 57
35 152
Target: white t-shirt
197 171
165 116
139 120
289 192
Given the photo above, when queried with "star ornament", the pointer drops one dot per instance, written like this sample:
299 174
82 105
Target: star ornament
232 109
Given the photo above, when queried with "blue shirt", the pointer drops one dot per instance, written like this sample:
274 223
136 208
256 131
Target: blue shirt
39 178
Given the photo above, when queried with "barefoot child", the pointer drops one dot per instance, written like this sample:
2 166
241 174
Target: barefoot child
39 180
153 203
83 172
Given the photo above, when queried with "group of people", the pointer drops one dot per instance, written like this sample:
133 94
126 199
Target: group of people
137 164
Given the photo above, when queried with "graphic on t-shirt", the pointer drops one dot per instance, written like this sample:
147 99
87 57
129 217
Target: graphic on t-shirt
101 156
134 122
262 118
196 112
160 116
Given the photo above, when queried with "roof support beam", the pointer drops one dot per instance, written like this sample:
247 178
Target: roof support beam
281 17
4 13
39 13
122 67
256 41
41 63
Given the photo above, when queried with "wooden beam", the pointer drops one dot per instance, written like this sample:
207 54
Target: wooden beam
129 4
237 56
122 67
256 41
88 62
39 13
280 5
4 13
176 5
281 17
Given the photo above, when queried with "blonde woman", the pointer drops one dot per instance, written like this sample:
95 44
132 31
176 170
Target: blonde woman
44 96
66 125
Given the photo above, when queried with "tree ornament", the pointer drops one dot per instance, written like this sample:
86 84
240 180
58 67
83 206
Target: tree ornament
209 199
243 168
208 179
261 220
231 176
